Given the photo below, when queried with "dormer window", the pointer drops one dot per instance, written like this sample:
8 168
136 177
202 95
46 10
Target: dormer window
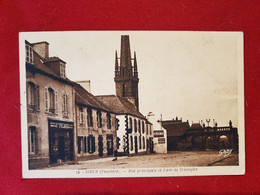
29 54
62 70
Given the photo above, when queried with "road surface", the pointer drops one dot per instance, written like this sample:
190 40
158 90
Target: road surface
172 159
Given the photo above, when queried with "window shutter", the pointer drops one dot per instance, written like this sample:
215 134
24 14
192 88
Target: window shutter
67 104
56 102
112 143
37 97
88 144
85 145
93 144
46 99
100 119
63 105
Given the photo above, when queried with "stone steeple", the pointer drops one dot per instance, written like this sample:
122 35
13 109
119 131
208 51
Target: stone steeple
126 75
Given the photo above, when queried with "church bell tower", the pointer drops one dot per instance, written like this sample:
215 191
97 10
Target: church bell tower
126 75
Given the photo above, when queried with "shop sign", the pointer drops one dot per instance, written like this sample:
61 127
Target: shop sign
161 140
158 133
61 125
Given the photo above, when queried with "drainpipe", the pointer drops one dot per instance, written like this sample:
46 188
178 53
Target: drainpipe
76 126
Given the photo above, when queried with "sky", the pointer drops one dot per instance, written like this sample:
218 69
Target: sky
192 75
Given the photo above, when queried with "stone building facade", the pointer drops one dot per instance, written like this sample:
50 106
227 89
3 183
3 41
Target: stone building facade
50 108
65 122
133 128
96 126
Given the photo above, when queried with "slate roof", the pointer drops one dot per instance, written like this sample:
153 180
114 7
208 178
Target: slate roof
82 96
196 126
175 128
85 98
53 59
120 105
38 64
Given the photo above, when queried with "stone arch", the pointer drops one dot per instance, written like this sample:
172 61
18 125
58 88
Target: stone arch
224 141
197 142
209 143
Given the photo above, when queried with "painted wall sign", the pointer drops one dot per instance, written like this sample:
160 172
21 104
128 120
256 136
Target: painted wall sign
161 140
61 125
158 133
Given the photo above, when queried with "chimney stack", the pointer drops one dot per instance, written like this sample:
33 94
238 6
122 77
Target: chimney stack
42 48
85 84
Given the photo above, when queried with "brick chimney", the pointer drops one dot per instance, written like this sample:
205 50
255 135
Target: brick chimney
42 48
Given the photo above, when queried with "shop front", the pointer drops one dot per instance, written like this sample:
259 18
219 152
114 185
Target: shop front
60 141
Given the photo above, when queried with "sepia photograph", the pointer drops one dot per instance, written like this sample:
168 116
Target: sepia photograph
131 103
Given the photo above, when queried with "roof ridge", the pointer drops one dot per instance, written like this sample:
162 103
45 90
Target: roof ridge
99 104
112 95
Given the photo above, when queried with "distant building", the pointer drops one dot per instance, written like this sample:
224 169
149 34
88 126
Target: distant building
181 136
50 108
175 129
134 131
132 125
159 135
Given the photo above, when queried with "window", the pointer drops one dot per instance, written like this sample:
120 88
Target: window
140 143
91 144
99 119
117 124
81 115
131 141
82 144
117 142
110 144
143 142
32 140
147 129
62 70
139 126
130 124
79 144
135 126
65 109
89 117
51 100
33 97
143 127
29 54
85 145
108 121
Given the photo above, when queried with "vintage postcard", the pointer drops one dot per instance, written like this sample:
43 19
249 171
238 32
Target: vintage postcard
131 103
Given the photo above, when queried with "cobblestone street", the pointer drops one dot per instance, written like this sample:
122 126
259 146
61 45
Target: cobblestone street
172 159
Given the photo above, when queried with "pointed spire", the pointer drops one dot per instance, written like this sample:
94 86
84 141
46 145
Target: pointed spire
125 58
135 65
116 65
